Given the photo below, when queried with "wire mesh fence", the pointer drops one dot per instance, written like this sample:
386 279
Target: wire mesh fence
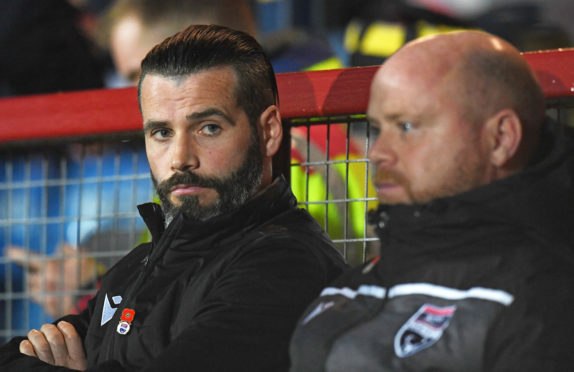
330 177
68 207
68 213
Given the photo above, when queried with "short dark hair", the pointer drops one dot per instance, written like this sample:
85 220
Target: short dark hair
201 47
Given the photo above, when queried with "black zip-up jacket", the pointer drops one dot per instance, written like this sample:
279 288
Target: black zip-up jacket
482 281
222 295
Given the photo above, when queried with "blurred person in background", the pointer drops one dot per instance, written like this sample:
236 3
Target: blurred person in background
64 282
130 28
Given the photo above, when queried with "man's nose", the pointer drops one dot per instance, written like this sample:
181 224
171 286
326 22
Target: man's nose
382 152
183 154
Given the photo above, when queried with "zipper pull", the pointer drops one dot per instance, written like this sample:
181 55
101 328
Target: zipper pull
145 260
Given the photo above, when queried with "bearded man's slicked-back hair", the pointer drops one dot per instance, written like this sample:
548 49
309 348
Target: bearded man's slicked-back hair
202 47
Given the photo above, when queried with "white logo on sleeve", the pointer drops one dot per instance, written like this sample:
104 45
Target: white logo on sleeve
318 310
109 310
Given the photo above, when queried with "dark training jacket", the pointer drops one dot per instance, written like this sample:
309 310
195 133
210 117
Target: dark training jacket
481 281
221 295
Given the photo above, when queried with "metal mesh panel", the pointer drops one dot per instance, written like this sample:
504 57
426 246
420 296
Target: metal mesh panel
330 178
72 205
71 208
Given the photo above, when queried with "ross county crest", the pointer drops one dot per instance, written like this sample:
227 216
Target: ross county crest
423 329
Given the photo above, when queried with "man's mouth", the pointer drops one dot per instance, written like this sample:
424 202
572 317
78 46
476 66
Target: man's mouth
386 186
186 190
389 184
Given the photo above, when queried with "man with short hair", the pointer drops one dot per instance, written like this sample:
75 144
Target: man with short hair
233 262
476 192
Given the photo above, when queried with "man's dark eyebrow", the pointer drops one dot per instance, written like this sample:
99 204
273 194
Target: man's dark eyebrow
388 118
210 112
152 124
393 117
371 120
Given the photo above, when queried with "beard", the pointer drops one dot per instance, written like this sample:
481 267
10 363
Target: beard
465 173
233 191
394 177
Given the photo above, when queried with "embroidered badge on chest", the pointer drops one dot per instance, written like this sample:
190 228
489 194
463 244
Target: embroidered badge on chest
422 329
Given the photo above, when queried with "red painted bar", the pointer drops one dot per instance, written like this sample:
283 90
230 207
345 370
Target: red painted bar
302 94
555 71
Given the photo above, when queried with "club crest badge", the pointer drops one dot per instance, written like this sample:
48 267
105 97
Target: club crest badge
423 329
123 327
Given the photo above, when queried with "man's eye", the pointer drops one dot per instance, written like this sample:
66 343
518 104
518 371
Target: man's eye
374 132
210 129
406 126
161 133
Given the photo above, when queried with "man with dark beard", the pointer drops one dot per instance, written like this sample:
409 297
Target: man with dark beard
233 190
476 192
233 262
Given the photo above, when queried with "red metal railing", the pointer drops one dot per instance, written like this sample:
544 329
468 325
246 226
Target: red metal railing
302 94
